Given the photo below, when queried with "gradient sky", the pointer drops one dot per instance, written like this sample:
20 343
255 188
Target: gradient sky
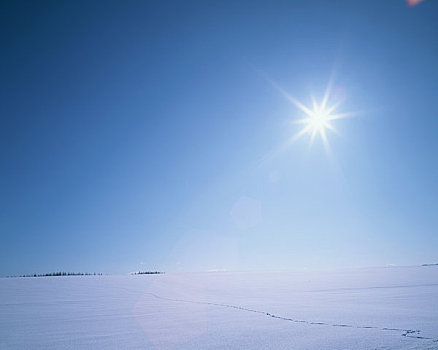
142 135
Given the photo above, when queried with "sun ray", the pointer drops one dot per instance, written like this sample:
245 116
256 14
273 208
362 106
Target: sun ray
302 121
294 138
327 93
294 101
306 129
312 137
298 104
331 127
333 107
325 141
314 104
341 115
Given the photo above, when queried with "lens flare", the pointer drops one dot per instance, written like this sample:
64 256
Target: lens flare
413 2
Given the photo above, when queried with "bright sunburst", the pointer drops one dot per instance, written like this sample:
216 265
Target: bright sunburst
317 119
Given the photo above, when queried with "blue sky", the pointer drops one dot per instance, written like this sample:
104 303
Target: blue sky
143 135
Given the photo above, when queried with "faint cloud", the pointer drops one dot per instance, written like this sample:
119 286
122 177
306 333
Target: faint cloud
247 212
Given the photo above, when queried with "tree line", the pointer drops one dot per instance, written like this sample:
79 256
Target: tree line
61 274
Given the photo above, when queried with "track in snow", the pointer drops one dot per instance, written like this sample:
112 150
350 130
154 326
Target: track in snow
408 333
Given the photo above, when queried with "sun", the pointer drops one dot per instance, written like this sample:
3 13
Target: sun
317 120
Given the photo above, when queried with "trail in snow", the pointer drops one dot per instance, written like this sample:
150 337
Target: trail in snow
408 333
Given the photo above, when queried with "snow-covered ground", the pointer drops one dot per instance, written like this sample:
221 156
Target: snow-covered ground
375 308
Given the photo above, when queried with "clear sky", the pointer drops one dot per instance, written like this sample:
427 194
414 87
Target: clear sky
144 135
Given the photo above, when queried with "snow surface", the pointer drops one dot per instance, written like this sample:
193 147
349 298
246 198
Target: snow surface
376 308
